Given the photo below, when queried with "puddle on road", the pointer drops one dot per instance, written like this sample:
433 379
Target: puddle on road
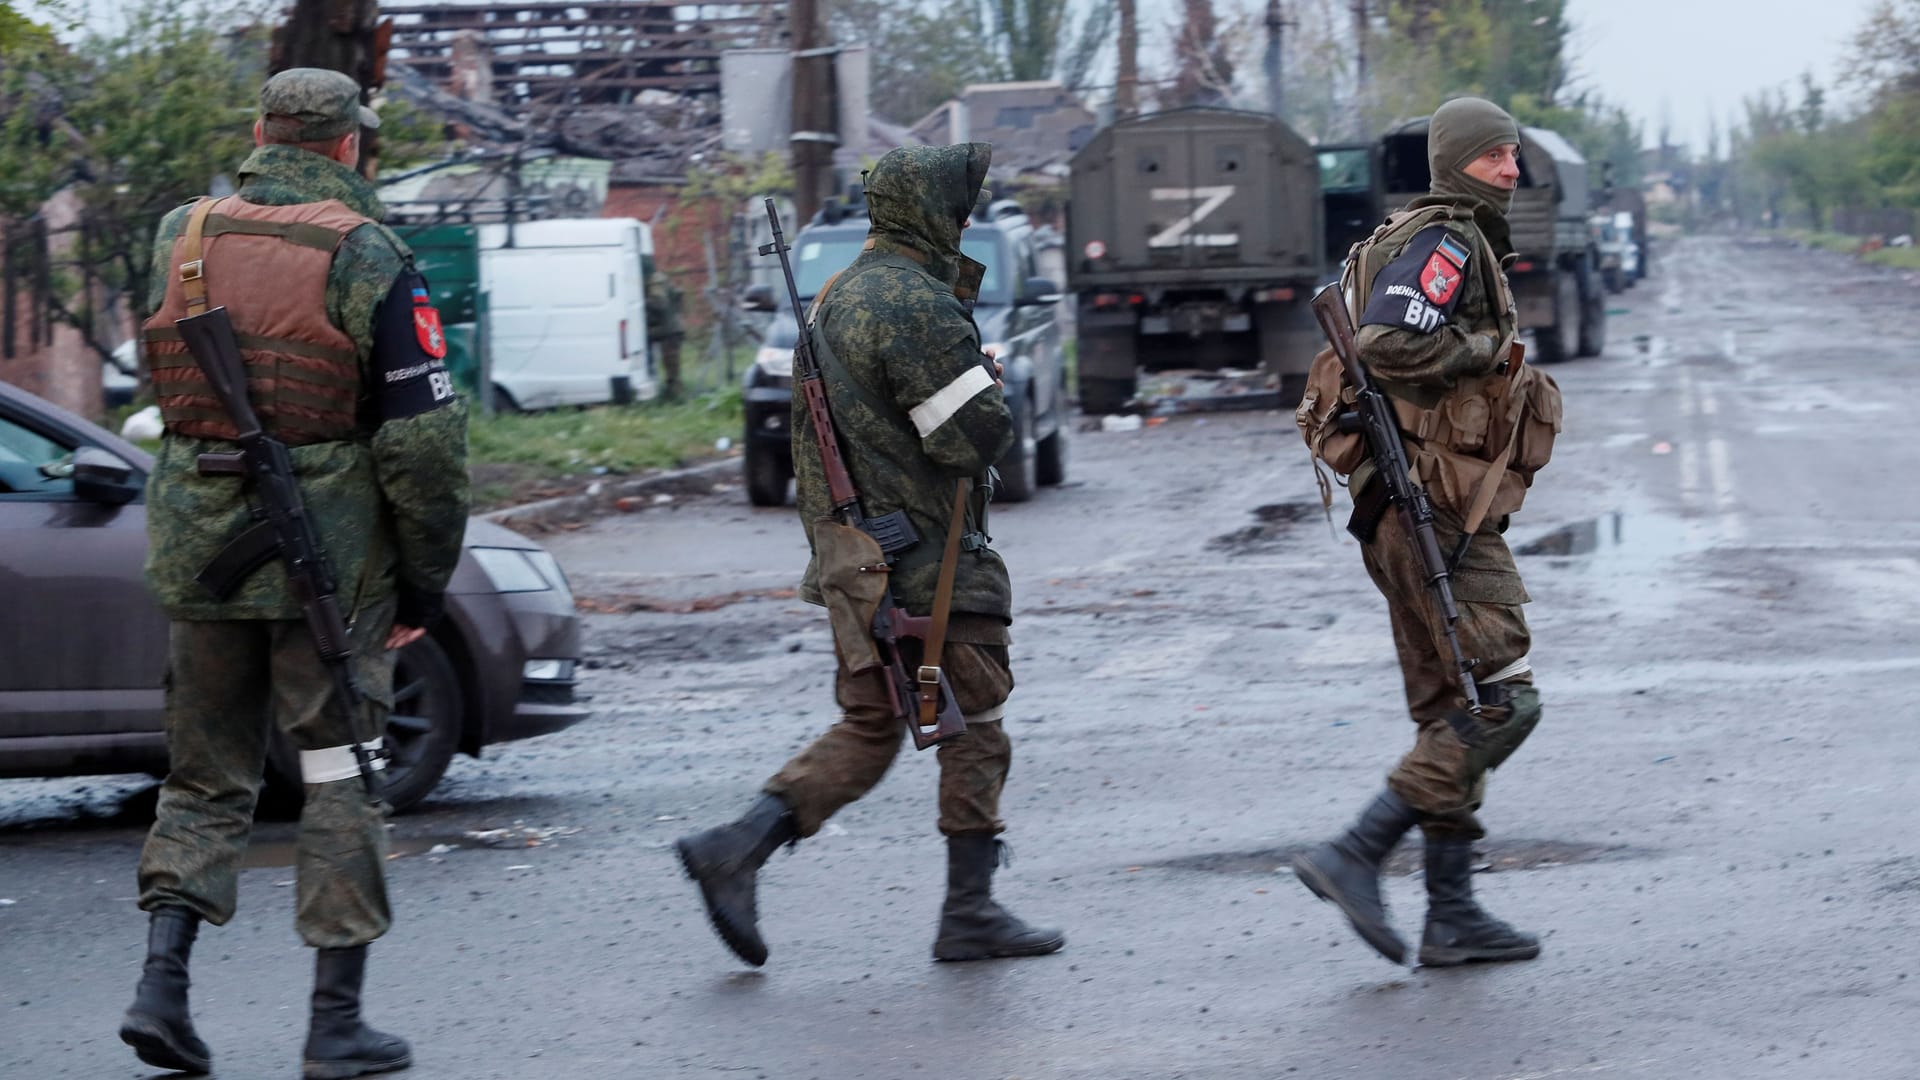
1491 856
1615 536
1272 522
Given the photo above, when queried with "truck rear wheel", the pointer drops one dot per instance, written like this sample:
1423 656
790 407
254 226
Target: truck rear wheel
1558 342
1593 313
1099 397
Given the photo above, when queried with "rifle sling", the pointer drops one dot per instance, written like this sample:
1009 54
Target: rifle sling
193 276
936 639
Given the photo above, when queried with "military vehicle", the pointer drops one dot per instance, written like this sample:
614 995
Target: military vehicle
1194 240
1556 279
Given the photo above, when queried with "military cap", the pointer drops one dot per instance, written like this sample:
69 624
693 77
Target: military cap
325 103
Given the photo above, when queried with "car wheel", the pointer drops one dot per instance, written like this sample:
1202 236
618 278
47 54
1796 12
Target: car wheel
1050 466
423 730
503 402
767 476
1019 466
422 733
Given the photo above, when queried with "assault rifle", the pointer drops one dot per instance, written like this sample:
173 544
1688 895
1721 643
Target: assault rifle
283 528
1373 415
940 720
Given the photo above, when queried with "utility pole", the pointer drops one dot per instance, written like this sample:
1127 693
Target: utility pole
1276 27
1126 90
341 35
815 109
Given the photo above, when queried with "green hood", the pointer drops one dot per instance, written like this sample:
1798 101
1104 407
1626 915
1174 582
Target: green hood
918 197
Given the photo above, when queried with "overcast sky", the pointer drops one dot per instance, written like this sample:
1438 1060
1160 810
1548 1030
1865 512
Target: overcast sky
1700 55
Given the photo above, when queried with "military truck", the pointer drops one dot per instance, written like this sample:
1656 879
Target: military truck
1194 240
1556 279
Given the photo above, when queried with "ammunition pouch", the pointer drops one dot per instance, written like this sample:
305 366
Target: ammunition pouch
1510 711
853 582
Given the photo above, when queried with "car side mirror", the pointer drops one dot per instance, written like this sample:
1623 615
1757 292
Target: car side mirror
101 476
1038 290
758 298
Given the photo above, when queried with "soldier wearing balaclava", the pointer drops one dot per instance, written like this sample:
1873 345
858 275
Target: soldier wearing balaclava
1437 327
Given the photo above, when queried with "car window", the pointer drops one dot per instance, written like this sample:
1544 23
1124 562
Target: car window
32 465
820 259
983 248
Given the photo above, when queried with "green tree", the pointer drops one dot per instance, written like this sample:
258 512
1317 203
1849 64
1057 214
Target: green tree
134 123
926 51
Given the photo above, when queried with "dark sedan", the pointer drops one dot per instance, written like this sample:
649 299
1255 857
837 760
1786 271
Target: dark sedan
83 647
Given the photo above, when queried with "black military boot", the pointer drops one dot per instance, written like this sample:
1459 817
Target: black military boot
157 1025
1347 871
339 1043
1459 931
972 925
724 861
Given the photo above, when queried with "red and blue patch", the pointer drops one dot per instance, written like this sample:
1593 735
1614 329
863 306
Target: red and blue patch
426 326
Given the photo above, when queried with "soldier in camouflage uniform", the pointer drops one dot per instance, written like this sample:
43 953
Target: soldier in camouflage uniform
916 410
1435 325
665 329
343 355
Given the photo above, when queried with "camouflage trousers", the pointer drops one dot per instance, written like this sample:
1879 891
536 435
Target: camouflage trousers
227 682
1444 775
850 758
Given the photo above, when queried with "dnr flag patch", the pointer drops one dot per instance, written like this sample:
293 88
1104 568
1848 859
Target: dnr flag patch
1419 289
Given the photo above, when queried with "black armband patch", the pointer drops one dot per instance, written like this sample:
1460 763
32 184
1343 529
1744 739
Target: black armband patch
409 351
1419 290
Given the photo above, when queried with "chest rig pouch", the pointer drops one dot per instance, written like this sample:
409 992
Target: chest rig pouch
1475 445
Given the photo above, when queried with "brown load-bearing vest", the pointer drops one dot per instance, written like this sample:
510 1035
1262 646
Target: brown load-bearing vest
1476 446
268 266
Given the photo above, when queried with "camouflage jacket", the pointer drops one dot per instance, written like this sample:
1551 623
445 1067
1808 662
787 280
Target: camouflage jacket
926 413
390 505
1394 342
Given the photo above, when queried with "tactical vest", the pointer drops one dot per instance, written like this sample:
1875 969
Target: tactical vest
1475 446
268 266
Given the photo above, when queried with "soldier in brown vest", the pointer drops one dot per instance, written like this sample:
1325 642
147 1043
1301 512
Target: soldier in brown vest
344 360
1437 326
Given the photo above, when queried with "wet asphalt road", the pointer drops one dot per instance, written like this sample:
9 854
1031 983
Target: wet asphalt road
1712 827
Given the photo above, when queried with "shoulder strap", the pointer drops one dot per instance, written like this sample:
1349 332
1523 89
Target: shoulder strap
193 275
1516 405
936 639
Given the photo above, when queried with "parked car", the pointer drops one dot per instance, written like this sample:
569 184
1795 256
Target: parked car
1619 255
83 649
1015 312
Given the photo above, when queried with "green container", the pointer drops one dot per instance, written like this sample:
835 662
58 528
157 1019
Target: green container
449 255
463 356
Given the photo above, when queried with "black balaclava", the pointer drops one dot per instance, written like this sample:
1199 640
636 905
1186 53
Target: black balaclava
1460 131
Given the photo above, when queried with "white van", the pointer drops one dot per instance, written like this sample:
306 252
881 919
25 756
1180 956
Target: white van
566 311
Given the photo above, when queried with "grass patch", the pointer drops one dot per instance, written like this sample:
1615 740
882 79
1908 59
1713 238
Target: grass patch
1906 258
517 456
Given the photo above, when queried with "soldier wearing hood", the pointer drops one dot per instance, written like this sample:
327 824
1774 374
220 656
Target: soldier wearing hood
916 409
1436 331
